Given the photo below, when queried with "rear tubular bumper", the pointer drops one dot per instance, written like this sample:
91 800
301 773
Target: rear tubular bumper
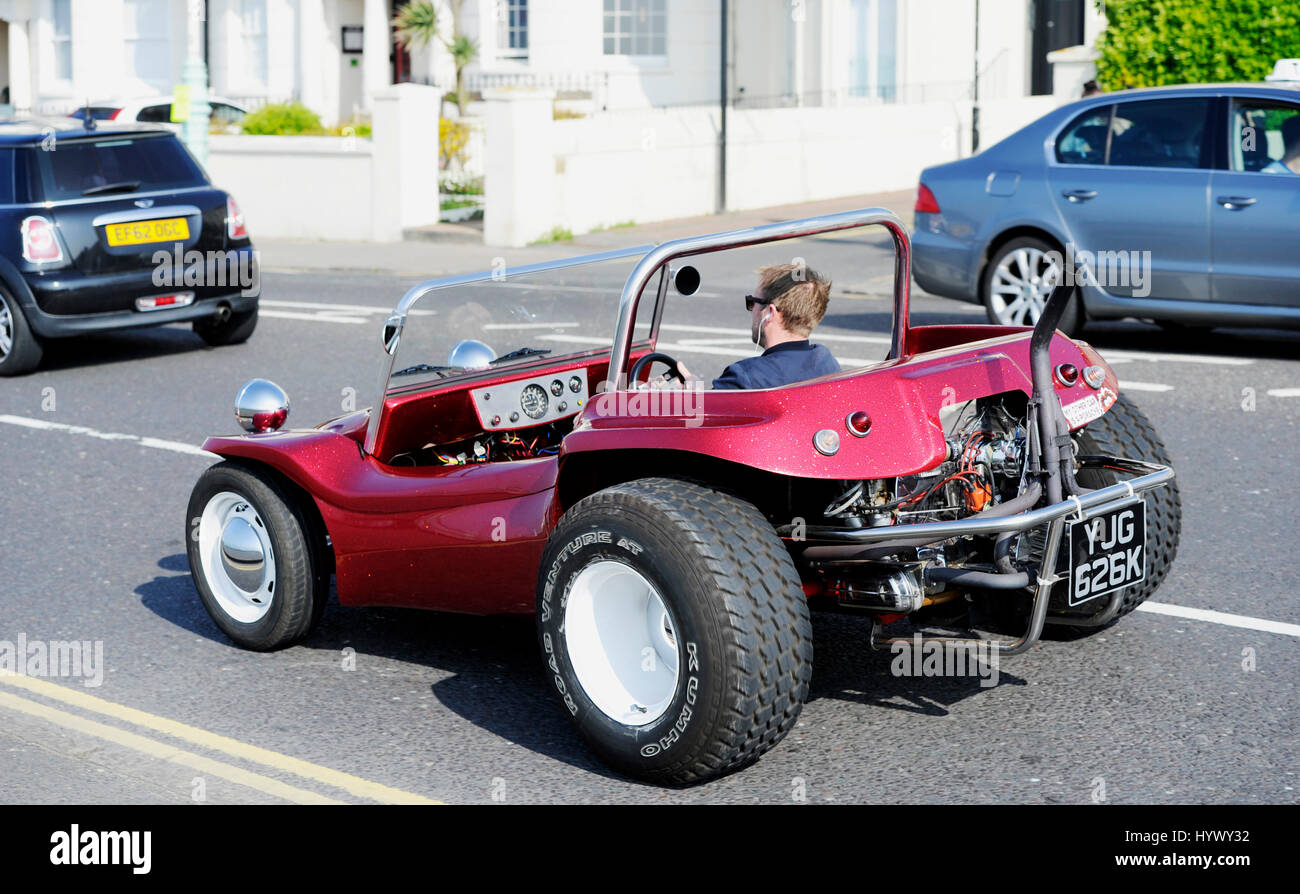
831 545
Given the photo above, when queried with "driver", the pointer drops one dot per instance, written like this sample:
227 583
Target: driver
791 301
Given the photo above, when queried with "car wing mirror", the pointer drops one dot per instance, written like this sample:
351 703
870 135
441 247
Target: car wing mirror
686 280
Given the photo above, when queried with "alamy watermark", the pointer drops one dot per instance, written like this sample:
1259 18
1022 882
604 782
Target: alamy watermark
177 268
685 400
1104 269
945 658
53 658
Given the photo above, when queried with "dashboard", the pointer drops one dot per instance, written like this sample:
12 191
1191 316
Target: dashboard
526 403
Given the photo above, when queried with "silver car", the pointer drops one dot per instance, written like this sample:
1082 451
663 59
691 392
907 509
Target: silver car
1179 205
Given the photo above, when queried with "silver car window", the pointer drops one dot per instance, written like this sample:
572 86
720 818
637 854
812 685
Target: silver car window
1265 137
1160 133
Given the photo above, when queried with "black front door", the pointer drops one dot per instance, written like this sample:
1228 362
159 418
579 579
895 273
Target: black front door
1057 24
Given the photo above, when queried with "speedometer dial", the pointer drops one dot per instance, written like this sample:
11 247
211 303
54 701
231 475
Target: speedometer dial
533 401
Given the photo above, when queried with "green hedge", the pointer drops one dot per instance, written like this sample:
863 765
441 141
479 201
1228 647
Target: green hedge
1150 43
291 119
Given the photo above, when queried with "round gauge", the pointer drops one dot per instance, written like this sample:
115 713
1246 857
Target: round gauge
533 401
557 387
575 384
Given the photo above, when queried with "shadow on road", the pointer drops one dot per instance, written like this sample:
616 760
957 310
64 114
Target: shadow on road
120 347
491 674
845 668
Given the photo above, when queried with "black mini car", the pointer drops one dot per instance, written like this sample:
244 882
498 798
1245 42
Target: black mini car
114 227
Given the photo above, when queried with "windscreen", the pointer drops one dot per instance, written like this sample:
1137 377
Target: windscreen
509 318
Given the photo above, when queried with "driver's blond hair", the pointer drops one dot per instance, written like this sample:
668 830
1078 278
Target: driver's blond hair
799 292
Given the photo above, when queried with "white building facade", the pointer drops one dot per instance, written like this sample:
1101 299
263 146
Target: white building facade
618 54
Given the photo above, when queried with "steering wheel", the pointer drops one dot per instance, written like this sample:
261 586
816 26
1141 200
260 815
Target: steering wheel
674 372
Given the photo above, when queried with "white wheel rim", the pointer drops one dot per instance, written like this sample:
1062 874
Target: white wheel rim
1021 284
236 556
6 328
622 643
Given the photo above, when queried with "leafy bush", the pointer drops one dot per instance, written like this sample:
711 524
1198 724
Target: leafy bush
285 119
453 141
354 128
463 185
1150 43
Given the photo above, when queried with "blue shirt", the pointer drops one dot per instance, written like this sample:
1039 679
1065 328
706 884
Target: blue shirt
783 364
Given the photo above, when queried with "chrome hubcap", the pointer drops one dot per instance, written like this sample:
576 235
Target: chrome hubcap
242 555
621 642
1021 284
237 560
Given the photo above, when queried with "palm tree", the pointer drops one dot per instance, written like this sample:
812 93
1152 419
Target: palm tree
417 26
464 50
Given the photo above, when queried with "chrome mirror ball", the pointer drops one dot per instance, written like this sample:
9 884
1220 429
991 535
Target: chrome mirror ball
471 354
261 406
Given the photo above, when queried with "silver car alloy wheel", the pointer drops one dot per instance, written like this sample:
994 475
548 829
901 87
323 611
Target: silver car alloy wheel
1021 284
6 328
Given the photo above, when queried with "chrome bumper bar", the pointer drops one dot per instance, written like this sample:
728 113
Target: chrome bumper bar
1150 475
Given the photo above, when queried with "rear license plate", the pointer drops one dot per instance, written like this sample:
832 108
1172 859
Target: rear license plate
1107 551
140 232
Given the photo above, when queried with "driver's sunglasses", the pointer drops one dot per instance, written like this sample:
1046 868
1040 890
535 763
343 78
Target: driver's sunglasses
751 300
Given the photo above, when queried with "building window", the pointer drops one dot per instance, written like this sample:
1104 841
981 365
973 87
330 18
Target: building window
512 29
61 18
146 30
636 28
873 58
252 40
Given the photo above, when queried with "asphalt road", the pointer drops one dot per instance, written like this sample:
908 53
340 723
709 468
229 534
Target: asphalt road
1160 708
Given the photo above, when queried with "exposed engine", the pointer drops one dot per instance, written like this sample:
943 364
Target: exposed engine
985 465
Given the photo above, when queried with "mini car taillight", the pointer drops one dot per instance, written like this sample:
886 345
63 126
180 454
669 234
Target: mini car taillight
925 201
858 424
40 243
234 220
1067 374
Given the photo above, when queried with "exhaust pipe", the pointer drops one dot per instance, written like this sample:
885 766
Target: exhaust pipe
223 312
1053 429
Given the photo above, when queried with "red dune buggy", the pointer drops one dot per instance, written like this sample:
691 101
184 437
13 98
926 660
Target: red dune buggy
672 541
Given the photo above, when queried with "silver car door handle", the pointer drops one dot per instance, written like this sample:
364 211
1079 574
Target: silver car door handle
1080 195
1236 202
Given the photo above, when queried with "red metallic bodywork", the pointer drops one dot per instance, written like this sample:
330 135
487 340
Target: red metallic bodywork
469 538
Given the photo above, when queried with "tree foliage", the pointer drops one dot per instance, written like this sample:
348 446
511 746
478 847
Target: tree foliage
1151 43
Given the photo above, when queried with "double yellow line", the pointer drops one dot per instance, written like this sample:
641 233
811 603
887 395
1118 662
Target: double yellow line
354 785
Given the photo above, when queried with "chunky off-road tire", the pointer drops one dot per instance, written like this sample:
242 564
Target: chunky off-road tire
257 557
1030 251
730 601
20 348
233 331
1125 431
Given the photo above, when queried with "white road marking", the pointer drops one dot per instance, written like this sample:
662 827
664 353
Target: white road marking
530 325
318 317
1125 384
684 348
141 441
1283 392
1176 358
1213 617
821 336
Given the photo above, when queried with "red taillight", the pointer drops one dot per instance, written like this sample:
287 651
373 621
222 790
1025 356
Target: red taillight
1067 374
234 220
40 244
858 424
925 202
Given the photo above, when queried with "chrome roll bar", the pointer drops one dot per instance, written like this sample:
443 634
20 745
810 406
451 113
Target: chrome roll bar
698 245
